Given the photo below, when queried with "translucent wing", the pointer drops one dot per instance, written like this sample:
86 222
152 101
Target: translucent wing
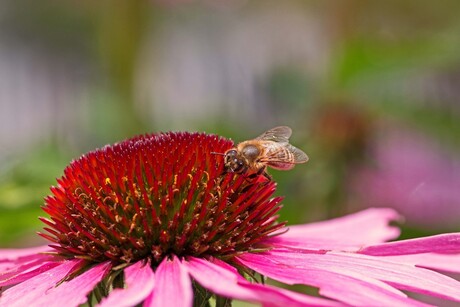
299 155
283 156
279 134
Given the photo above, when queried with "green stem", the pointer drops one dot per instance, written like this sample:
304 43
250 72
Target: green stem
201 296
223 301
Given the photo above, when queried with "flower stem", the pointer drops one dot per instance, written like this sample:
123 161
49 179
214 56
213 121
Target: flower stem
223 301
201 296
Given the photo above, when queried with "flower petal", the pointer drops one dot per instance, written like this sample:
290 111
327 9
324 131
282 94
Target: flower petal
41 290
222 279
13 254
17 265
348 287
173 286
401 275
444 243
139 283
365 227
25 272
441 262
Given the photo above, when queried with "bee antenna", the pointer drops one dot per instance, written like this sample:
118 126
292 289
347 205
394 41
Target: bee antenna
217 153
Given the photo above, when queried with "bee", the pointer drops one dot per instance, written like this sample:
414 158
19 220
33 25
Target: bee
271 149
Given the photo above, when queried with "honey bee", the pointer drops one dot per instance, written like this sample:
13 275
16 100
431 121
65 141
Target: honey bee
271 149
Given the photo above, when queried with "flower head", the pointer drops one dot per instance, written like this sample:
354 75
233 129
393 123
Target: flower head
155 196
157 220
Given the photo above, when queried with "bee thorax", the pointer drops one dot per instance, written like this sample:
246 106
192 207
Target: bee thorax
251 152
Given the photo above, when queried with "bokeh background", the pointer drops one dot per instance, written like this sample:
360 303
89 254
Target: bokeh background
370 88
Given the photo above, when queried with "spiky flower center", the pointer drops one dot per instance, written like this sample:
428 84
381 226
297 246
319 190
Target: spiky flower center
157 195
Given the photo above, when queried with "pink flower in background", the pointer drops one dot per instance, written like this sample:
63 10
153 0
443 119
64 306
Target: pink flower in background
414 176
155 221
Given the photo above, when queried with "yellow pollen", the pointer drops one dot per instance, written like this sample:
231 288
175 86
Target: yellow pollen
206 177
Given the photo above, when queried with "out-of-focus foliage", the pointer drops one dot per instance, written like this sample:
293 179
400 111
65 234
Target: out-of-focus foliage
345 75
22 189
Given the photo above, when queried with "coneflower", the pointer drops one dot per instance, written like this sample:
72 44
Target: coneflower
156 220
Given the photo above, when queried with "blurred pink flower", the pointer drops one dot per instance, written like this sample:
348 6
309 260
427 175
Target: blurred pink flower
413 175
154 221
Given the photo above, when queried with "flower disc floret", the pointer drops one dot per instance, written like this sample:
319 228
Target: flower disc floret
158 195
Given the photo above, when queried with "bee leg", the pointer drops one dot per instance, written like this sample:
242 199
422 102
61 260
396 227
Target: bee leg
251 177
267 175
263 172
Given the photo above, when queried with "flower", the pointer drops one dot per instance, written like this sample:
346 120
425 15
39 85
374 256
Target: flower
156 220
414 176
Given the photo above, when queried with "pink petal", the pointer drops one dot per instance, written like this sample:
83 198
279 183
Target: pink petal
25 272
445 243
173 286
401 275
314 245
354 230
441 262
351 288
13 254
222 279
41 290
18 266
413 175
139 282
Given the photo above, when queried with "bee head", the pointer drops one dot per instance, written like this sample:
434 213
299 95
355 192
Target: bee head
234 162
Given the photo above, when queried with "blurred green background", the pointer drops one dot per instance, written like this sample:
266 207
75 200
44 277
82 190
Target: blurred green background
371 90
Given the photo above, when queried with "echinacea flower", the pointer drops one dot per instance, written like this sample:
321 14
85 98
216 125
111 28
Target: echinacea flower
155 220
415 176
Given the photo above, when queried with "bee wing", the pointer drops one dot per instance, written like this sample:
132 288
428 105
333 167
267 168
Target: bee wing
279 134
283 156
299 155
